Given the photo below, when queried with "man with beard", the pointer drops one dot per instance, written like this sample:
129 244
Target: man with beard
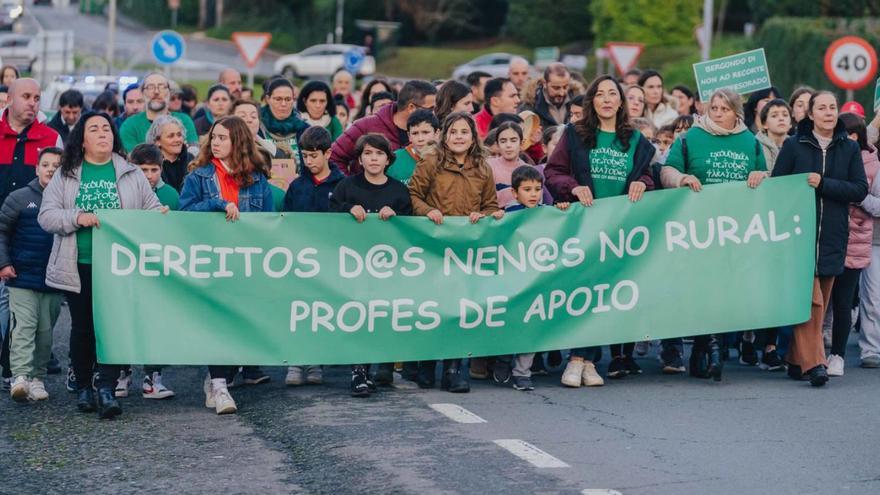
552 98
157 95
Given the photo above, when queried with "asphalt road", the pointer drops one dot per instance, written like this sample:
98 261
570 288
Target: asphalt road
755 432
202 59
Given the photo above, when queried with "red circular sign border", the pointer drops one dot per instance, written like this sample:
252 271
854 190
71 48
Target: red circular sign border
830 73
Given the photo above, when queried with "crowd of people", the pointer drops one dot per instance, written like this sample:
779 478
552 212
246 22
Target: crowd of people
482 148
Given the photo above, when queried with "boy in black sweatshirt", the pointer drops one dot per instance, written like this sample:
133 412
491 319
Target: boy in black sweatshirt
371 191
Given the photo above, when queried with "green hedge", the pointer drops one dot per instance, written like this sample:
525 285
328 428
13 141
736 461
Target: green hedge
796 47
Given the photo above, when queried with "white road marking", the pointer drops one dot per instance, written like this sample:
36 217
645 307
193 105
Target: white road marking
529 452
600 491
457 413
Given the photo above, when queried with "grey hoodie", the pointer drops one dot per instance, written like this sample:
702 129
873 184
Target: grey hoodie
58 215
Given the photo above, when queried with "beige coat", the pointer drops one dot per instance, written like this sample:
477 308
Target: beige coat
454 190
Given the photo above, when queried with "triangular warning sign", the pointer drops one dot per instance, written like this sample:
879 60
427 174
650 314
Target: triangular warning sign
624 55
251 45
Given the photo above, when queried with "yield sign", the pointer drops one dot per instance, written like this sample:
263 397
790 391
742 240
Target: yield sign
251 45
624 55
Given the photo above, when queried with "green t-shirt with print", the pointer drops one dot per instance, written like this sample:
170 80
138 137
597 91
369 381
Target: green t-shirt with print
277 196
168 196
717 159
610 165
403 167
97 191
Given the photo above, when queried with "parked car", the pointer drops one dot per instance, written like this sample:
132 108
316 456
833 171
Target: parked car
321 61
18 50
10 12
89 86
494 64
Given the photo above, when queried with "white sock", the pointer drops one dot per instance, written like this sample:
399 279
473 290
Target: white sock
218 383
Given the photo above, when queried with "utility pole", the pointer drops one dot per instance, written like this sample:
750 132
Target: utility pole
111 35
218 13
707 29
340 6
203 14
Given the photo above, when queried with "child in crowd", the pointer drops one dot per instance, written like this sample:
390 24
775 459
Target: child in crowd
342 113
453 178
549 139
34 307
422 127
490 142
148 157
663 141
311 192
371 191
776 122
230 175
528 188
509 138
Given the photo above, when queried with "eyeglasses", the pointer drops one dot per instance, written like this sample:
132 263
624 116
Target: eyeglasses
149 88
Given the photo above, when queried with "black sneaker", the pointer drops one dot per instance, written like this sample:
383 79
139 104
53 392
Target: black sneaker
795 372
52 367
538 368
384 376
501 371
771 361
371 385
748 356
70 382
818 376
253 375
616 369
554 359
631 367
522 383
359 387
672 362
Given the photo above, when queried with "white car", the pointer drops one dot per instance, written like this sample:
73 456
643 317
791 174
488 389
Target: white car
494 64
18 50
322 61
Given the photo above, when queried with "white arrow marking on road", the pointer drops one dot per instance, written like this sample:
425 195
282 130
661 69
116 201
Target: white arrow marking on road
457 413
169 49
529 452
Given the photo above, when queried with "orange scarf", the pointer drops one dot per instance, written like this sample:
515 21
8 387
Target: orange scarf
228 186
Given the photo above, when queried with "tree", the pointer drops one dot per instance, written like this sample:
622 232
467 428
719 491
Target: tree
430 17
548 22
646 21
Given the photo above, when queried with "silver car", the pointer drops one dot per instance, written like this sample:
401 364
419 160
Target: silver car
495 64
322 61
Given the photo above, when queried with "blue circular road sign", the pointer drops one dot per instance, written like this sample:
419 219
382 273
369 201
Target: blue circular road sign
167 47
353 60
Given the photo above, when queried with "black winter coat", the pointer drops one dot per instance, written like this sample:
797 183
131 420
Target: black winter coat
23 243
843 182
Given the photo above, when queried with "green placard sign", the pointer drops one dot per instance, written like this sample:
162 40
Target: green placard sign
320 288
877 96
744 73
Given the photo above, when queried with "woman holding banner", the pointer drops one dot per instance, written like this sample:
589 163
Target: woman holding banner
230 175
833 162
718 148
600 156
94 175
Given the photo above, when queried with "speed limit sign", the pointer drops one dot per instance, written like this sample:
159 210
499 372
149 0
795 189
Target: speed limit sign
851 63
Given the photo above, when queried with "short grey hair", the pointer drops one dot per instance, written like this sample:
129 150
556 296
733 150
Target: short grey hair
730 98
154 73
160 122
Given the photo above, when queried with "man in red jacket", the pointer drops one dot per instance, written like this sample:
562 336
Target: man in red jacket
501 96
390 121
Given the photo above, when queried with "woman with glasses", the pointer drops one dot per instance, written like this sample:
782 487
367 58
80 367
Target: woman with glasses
278 121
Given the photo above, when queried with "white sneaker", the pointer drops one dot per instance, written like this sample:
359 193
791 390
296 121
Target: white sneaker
591 376
20 389
643 347
154 389
224 404
122 385
571 377
294 376
314 375
835 365
209 393
37 390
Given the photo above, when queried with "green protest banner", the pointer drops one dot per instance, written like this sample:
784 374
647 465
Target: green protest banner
190 288
744 73
877 95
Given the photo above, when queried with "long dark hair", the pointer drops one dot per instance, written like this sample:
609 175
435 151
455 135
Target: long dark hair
74 154
447 96
365 97
588 127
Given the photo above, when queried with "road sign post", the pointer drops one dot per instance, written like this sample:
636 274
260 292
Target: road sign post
743 72
851 64
353 59
251 47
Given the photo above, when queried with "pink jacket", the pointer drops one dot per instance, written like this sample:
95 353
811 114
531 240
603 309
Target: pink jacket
861 223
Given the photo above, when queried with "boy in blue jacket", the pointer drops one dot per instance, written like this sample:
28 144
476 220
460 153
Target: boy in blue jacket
311 192
34 307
